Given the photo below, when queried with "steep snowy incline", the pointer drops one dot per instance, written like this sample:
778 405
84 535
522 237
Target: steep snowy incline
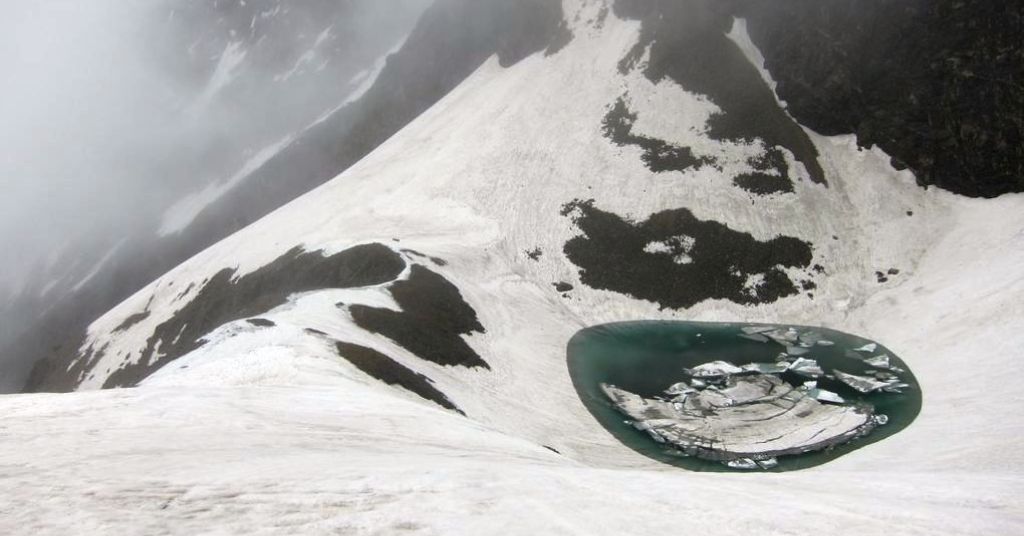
512 183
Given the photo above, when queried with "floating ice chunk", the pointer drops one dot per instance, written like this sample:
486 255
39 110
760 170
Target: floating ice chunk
806 367
824 395
750 330
754 337
742 463
879 361
867 348
786 337
680 388
811 384
864 384
767 368
895 387
655 435
796 350
810 337
714 369
768 463
881 419
824 342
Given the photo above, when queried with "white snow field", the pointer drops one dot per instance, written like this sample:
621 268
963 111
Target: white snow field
268 431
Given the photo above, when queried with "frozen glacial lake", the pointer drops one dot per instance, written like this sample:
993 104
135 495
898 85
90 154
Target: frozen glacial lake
648 358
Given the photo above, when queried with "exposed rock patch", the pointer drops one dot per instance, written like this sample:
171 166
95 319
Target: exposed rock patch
433 319
770 175
659 155
391 372
132 320
712 262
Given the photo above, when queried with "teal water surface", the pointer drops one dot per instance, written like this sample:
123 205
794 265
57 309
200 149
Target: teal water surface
646 357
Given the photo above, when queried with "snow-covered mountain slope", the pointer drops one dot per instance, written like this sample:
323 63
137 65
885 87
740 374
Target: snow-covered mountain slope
450 41
337 329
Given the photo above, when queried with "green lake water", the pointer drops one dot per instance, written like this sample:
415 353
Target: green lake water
646 357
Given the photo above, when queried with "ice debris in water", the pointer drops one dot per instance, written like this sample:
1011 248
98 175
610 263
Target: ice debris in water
714 369
865 384
810 337
767 368
679 388
784 337
749 463
746 420
878 361
806 367
824 395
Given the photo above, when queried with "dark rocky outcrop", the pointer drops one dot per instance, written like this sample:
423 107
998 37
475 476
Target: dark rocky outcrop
433 319
770 175
391 372
691 261
659 155
937 84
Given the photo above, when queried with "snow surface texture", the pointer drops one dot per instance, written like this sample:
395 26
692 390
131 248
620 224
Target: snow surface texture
267 430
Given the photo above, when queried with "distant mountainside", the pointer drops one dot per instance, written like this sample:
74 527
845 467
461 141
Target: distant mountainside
682 41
